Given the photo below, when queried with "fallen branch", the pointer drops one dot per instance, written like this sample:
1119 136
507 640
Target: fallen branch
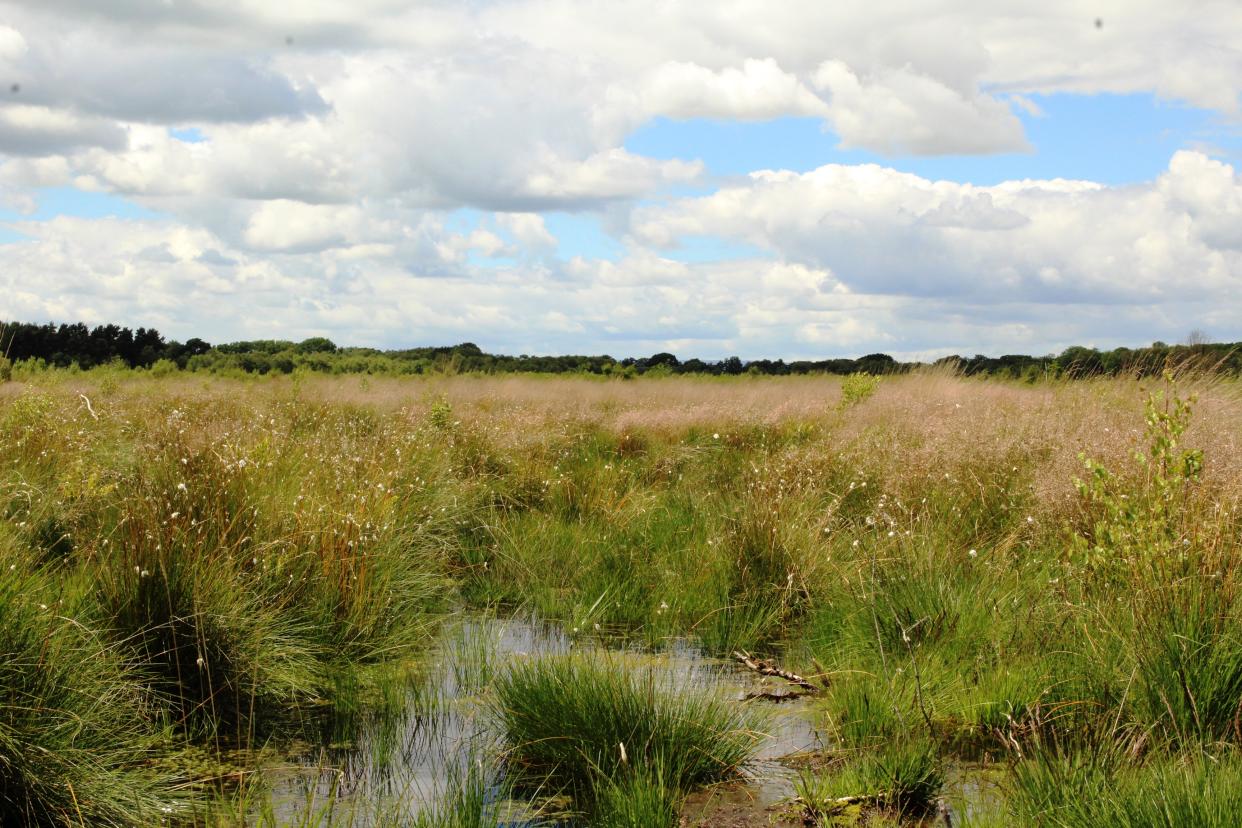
874 800
764 667
89 410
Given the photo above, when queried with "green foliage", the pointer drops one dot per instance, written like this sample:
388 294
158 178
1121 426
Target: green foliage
1174 624
857 387
613 369
316 344
164 368
6 369
222 655
1187 655
469 800
295 541
657 371
640 798
1142 520
77 344
440 415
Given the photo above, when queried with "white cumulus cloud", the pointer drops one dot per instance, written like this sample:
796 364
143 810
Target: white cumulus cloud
884 232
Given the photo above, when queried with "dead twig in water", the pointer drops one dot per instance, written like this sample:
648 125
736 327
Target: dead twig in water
764 667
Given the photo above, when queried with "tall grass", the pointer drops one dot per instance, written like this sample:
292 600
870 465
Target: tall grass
599 728
641 798
1074 790
470 800
925 547
200 636
76 732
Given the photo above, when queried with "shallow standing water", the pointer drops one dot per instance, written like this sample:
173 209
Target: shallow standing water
396 764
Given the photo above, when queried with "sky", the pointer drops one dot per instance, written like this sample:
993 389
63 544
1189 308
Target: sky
766 179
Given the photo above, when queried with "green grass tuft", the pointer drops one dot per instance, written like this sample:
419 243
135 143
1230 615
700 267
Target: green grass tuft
1056 790
641 798
576 722
902 777
76 731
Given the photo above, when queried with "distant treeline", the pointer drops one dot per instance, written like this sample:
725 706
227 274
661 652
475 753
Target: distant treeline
64 345
77 344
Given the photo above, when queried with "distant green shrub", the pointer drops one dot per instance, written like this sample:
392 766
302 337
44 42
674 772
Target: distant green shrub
857 387
164 368
1143 520
440 414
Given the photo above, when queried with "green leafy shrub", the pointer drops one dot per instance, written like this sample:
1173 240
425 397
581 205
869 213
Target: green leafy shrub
440 415
1143 520
857 387
1176 623
164 368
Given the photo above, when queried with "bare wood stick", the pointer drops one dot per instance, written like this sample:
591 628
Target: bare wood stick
764 667
89 410
873 800
861 799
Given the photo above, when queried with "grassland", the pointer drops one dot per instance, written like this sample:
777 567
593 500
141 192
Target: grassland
1041 577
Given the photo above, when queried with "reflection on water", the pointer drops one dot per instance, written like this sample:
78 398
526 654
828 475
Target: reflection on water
973 794
387 766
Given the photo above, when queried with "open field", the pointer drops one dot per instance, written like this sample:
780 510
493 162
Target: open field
1034 582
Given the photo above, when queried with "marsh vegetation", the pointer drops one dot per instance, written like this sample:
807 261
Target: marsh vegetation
226 601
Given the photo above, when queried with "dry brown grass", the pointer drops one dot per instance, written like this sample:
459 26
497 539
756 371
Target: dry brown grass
916 429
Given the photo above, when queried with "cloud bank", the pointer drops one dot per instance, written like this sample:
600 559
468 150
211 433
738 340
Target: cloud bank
385 173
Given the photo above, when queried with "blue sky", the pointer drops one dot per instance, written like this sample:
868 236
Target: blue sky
1075 136
813 180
